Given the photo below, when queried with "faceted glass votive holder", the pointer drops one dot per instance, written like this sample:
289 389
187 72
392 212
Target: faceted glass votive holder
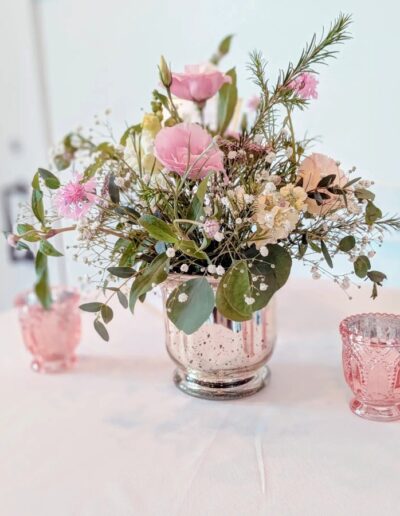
371 363
51 335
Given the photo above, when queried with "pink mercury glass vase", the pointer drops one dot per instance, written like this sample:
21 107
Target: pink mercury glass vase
51 335
371 362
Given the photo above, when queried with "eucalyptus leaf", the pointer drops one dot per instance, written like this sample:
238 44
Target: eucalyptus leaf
32 235
376 276
106 313
326 254
154 274
121 272
190 314
101 330
233 290
93 307
362 266
347 243
113 189
122 299
37 204
372 213
362 193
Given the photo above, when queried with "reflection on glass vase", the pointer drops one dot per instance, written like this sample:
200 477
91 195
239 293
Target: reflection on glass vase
224 359
51 335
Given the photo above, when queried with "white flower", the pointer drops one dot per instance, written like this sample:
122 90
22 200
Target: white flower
316 275
184 267
248 198
271 156
208 210
269 188
232 154
218 236
119 181
220 270
346 283
263 286
289 152
238 221
212 269
182 298
170 252
249 300
264 250
371 254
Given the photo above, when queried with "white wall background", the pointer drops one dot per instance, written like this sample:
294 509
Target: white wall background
103 54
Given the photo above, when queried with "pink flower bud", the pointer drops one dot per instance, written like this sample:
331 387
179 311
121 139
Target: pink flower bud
211 227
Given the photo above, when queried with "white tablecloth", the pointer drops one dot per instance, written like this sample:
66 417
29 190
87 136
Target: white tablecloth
116 438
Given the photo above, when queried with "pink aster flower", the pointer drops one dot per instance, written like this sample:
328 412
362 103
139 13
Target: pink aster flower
185 147
198 83
305 85
75 199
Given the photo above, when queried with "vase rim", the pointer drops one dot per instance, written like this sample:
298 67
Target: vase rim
28 297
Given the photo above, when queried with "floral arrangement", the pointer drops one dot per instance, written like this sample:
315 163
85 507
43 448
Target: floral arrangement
236 198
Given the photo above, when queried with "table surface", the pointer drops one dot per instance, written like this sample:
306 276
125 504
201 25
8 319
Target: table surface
114 437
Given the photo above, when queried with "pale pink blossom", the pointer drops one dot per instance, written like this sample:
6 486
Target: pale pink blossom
75 199
188 148
253 103
305 85
312 170
12 240
198 83
211 227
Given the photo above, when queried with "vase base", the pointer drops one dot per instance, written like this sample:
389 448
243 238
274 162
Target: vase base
58 365
222 389
374 412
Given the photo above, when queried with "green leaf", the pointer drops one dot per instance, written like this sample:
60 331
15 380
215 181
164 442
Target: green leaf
40 263
347 243
37 205
50 180
225 45
232 290
158 229
191 314
92 169
122 299
113 189
376 276
372 213
351 182
227 100
101 330
315 247
154 274
362 193
106 313
25 228
134 129
196 207
272 270
121 272
326 254
190 248
48 249
61 162
42 288
362 266
91 307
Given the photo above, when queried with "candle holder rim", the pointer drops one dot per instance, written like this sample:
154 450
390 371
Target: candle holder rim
345 324
21 299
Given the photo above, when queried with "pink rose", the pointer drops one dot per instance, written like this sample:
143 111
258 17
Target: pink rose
198 83
312 170
305 85
184 147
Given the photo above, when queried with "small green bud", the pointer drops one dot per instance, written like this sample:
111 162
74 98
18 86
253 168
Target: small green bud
165 73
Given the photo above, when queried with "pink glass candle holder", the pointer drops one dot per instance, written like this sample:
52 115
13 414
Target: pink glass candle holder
371 362
51 335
